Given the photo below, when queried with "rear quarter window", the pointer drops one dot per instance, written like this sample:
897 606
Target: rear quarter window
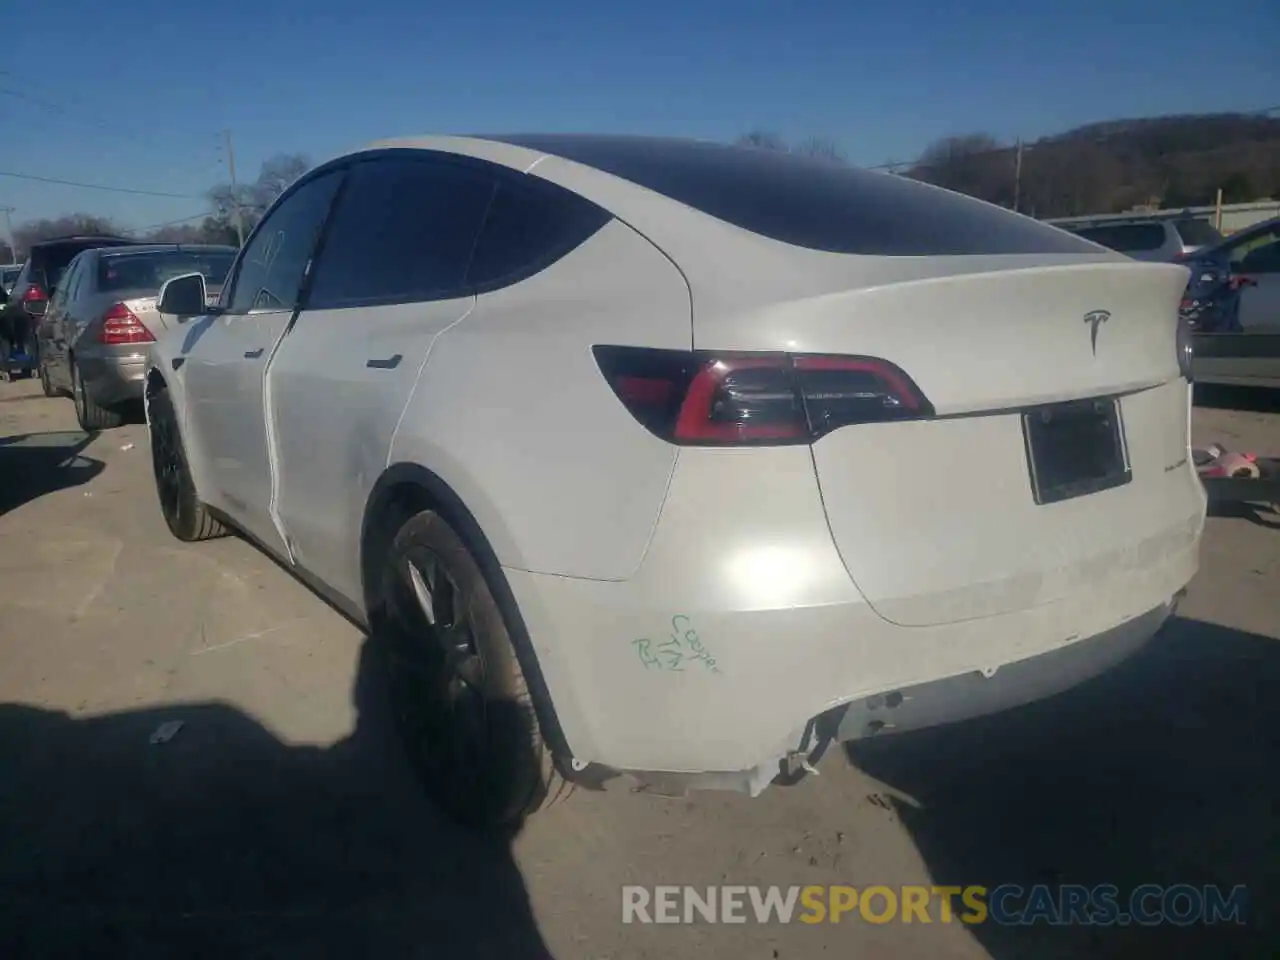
526 230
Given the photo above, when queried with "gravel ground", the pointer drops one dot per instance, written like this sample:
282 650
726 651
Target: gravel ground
279 821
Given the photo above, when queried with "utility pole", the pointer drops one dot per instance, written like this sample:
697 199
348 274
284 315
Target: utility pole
8 222
235 192
1017 177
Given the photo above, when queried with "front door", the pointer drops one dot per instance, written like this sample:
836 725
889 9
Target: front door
388 281
225 357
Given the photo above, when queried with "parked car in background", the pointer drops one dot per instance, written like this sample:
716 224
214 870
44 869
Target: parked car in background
1233 304
94 337
8 277
1158 239
36 282
627 450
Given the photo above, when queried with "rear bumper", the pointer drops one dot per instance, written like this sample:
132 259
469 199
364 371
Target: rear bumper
784 677
112 379
742 626
1237 359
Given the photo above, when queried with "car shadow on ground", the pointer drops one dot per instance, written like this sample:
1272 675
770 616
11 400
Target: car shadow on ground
1256 399
225 842
1164 771
35 464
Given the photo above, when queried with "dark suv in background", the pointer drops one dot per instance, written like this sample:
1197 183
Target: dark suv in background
36 283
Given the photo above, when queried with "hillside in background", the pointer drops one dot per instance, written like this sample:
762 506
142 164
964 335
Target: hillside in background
1116 165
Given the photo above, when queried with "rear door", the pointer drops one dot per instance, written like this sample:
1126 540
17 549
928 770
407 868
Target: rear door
225 356
1259 261
54 328
389 279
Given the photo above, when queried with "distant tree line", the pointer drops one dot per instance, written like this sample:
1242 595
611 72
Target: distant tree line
1178 161
248 201
1106 167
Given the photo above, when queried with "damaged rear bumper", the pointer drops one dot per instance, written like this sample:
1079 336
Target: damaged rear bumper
933 703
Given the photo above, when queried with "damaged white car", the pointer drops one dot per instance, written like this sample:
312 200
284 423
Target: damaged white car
677 460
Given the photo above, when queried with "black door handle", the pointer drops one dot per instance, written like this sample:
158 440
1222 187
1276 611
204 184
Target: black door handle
388 364
253 354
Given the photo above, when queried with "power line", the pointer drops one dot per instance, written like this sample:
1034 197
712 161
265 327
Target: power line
57 108
169 223
99 186
76 113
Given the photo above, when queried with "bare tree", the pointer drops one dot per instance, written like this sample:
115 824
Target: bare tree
253 199
822 148
762 139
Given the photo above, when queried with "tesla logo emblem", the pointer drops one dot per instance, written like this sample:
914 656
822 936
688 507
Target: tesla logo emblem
1095 319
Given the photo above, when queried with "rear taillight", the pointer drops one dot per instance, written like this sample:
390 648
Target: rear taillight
1184 343
756 399
34 294
121 325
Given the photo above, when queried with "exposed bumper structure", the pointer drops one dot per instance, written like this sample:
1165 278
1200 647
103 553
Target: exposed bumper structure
977 693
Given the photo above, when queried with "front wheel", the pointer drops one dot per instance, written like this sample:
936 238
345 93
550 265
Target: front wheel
462 703
187 517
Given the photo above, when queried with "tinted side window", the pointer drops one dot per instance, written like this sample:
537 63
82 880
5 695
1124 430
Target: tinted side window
1263 258
270 270
1197 233
404 230
1127 237
528 229
61 296
73 280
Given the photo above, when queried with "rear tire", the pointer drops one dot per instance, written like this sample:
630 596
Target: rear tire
187 517
45 384
462 703
91 415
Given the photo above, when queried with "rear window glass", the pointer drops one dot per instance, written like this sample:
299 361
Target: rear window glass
147 271
809 203
1126 237
1197 233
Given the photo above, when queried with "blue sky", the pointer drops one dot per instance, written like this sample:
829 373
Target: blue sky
135 93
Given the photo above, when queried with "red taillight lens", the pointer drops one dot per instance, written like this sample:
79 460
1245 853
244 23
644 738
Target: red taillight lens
121 325
34 294
756 399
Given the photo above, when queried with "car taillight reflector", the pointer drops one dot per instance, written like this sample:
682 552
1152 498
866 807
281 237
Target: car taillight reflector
121 325
34 294
700 398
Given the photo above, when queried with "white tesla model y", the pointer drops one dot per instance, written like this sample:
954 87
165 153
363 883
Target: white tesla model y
677 460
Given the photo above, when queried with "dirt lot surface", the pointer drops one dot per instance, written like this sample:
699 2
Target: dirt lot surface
280 821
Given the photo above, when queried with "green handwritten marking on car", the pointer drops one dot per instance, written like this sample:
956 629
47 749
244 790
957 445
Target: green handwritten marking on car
684 646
